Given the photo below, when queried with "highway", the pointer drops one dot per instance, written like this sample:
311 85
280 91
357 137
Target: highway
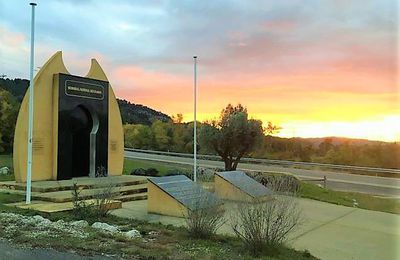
382 186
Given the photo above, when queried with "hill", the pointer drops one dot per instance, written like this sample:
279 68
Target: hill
131 113
139 114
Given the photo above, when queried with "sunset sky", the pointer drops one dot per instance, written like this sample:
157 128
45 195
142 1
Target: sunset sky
316 68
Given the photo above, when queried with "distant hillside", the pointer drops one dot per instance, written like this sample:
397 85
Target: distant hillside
17 87
316 141
138 114
131 113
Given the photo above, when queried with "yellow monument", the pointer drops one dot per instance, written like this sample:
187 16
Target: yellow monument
77 126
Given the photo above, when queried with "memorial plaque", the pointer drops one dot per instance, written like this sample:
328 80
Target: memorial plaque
245 183
79 88
186 191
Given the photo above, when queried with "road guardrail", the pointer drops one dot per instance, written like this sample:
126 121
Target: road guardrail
276 162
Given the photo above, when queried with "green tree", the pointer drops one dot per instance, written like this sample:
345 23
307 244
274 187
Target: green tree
162 135
138 136
9 107
233 136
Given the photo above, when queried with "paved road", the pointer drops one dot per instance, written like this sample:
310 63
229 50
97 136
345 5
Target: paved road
336 180
9 251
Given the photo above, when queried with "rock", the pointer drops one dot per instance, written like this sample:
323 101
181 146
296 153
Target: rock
154 233
4 170
105 227
41 220
80 224
133 233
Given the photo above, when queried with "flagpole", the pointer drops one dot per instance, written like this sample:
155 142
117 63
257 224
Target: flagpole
30 117
195 121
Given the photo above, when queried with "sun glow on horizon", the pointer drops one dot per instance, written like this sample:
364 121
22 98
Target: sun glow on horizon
386 128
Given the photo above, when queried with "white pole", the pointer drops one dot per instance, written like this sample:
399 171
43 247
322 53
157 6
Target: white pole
30 123
195 122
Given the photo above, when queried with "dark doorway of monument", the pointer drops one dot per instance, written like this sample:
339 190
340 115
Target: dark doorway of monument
81 124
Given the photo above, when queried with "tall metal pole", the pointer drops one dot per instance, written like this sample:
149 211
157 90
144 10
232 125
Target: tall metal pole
195 121
30 123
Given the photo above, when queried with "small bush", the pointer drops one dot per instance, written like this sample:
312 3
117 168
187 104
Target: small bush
98 207
265 225
81 209
102 199
152 172
281 183
179 172
139 172
205 174
205 217
101 172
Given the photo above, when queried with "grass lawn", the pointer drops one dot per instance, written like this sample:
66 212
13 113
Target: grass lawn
365 201
162 168
6 160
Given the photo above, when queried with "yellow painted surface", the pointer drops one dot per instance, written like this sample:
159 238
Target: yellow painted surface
42 160
45 126
227 191
159 202
115 129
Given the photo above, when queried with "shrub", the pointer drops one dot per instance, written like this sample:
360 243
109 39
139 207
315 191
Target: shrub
96 208
152 172
81 209
101 172
281 183
205 174
178 172
264 225
205 217
139 172
106 192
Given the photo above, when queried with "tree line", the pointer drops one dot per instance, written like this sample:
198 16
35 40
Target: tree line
237 136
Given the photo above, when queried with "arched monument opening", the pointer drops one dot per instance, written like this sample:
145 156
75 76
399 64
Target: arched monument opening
80 124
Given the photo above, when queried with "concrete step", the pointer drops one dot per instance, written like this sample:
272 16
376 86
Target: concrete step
84 182
65 196
132 197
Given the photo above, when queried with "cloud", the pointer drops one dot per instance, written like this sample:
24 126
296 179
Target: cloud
285 60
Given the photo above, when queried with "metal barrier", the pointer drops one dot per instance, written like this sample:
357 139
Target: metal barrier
276 162
317 180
